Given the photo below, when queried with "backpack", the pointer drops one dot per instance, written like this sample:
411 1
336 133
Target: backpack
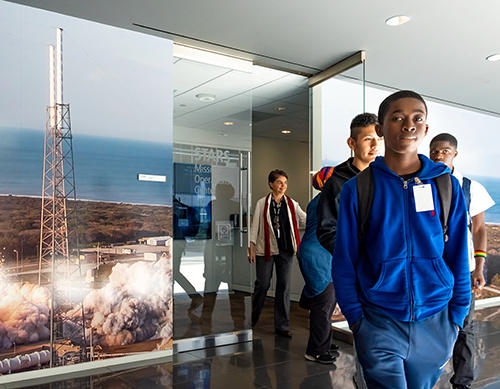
365 188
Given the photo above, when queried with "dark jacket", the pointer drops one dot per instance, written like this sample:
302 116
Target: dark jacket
406 269
329 203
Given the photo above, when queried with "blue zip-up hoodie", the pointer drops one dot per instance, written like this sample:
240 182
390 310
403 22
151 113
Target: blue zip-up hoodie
406 269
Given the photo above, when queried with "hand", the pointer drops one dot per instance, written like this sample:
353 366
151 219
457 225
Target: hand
251 253
478 280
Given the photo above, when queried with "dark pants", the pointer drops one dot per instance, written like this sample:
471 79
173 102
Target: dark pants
463 353
403 355
320 322
283 263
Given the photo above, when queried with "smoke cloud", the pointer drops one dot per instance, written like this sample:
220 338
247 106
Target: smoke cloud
24 314
134 306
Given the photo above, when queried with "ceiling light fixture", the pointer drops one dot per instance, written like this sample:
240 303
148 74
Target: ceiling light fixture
398 20
228 123
205 97
279 108
286 132
493 58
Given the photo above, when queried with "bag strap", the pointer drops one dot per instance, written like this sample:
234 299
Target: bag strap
466 189
444 191
366 192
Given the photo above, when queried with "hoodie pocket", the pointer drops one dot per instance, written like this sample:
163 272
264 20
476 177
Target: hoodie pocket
391 285
432 281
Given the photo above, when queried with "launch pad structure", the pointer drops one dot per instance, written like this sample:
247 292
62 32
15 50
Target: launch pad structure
59 258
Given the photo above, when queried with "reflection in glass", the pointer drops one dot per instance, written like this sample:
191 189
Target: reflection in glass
213 279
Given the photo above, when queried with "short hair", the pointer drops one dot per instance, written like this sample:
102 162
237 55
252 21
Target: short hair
361 121
445 137
273 176
403 94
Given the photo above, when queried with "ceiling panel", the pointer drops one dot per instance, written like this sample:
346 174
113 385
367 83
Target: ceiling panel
440 53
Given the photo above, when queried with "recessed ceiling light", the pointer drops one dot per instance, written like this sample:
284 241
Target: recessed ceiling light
205 97
228 123
397 20
279 108
493 58
286 132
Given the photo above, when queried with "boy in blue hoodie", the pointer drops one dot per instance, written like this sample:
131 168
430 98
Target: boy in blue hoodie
403 290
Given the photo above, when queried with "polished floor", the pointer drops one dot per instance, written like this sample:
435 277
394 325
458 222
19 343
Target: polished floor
274 362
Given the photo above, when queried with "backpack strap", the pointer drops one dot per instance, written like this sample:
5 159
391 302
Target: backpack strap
466 189
444 191
366 192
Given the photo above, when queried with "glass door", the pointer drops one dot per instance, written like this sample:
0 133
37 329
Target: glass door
211 152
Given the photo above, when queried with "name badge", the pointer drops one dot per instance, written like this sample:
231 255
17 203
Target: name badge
423 198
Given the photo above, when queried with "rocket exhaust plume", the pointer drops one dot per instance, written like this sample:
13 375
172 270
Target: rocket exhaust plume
24 314
134 306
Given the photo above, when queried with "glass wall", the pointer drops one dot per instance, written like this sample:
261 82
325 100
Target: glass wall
476 132
212 143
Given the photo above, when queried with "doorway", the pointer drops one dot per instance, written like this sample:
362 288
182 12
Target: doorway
221 107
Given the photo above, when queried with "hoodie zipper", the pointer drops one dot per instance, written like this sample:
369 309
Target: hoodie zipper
408 244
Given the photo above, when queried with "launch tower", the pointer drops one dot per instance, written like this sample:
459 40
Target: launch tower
59 257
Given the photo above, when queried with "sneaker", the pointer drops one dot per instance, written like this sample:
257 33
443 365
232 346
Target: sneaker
324 359
334 347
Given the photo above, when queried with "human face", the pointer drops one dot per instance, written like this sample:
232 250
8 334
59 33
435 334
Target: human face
279 186
404 126
443 151
367 146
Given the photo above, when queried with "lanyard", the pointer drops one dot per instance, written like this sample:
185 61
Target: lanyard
276 220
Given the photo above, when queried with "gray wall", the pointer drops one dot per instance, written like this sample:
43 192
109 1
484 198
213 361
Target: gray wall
290 156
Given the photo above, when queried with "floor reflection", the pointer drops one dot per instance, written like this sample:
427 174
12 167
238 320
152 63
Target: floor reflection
278 363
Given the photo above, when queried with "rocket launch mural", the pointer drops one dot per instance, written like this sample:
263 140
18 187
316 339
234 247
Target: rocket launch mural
85 277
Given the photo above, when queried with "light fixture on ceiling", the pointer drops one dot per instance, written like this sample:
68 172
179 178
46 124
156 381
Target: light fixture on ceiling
286 131
397 20
493 58
279 108
228 123
205 97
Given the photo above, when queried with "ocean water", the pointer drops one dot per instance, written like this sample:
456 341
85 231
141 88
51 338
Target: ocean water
106 169
492 185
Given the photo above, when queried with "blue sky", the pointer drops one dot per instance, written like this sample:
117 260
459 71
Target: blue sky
118 82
